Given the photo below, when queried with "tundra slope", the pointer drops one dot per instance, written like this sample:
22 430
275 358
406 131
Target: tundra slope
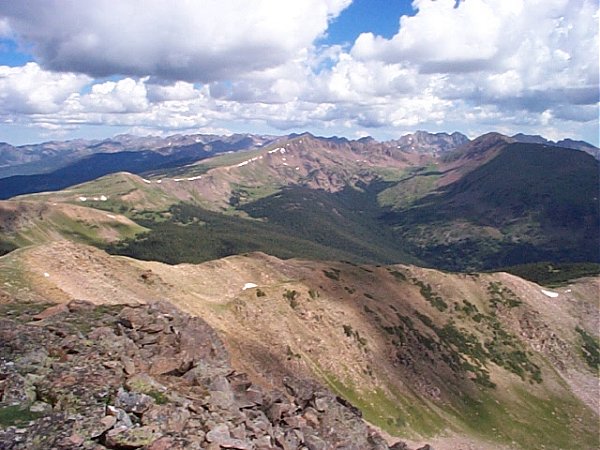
424 355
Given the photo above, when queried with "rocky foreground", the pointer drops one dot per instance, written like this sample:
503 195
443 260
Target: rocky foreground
80 376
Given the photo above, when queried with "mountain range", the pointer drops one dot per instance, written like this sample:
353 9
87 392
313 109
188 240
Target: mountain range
445 287
434 199
50 156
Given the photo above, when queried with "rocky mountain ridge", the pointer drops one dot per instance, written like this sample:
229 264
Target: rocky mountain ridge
565 143
57 165
50 156
80 376
43 157
361 196
425 355
432 143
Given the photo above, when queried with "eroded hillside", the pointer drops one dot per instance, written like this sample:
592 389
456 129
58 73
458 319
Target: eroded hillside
425 355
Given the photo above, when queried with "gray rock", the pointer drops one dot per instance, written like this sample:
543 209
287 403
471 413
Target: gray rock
128 365
263 443
221 436
254 395
195 400
17 390
321 404
301 390
133 402
218 433
144 383
289 440
297 422
259 424
313 442
168 418
239 432
237 444
311 417
32 361
277 410
123 419
99 427
40 407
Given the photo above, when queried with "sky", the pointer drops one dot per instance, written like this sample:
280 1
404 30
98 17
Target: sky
384 68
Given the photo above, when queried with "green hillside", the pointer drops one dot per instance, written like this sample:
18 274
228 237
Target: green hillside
296 222
530 203
497 205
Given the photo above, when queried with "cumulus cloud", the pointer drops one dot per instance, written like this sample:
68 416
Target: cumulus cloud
523 60
511 66
56 102
506 49
126 95
187 40
30 90
180 90
441 37
480 35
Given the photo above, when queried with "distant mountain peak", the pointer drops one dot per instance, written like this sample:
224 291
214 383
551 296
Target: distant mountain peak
494 135
366 139
479 147
565 143
530 138
430 143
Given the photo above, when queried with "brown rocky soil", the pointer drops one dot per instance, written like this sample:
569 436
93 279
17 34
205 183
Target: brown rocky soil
80 376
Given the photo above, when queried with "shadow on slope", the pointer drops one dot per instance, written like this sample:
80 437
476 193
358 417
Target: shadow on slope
88 169
541 201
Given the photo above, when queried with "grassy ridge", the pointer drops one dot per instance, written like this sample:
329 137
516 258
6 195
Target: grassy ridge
493 217
474 342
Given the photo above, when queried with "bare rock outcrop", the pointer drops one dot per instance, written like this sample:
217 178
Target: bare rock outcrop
151 377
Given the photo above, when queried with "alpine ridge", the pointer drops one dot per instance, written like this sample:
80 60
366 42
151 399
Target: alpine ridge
301 292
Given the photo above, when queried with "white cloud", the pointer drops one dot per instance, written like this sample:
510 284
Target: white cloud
184 40
511 66
126 95
30 90
440 37
521 58
180 90
506 48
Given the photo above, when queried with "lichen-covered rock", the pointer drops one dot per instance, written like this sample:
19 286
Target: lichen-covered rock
168 418
151 377
132 402
131 438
